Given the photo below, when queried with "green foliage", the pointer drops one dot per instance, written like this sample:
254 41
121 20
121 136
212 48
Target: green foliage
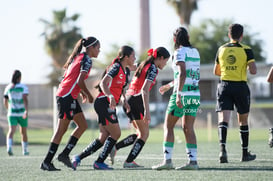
184 9
211 34
60 37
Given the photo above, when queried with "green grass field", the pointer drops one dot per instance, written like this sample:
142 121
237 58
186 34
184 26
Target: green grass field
20 167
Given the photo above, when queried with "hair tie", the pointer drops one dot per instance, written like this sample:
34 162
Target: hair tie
150 52
83 41
155 53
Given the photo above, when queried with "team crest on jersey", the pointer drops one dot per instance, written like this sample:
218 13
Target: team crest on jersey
71 114
121 76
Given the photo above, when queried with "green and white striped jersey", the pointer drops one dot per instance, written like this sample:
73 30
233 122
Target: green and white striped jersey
15 97
191 58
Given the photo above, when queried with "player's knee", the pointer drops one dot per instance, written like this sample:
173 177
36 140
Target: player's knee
144 134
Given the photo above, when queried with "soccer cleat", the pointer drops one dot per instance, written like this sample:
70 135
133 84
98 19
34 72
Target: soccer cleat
131 165
223 157
248 157
270 141
192 165
10 153
163 166
66 161
26 153
76 161
101 166
112 155
49 167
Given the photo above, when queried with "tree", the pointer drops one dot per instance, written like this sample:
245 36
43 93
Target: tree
211 34
184 9
60 37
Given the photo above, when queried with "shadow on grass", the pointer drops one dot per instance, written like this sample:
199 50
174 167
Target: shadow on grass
86 167
247 168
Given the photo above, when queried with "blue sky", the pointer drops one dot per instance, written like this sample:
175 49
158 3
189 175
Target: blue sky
112 22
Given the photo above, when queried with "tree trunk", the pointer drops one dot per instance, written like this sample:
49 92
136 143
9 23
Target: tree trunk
144 25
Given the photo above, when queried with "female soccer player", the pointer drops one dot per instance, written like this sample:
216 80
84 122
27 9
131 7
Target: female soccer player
184 101
111 89
77 67
138 99
16 102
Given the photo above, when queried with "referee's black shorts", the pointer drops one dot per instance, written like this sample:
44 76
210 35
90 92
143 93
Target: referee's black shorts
230 93
137 109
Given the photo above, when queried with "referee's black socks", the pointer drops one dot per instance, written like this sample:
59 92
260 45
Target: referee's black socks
244 131
222 133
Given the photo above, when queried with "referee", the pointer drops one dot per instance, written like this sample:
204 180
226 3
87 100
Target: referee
232 61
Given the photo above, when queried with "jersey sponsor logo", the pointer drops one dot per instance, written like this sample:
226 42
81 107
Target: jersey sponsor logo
113 117
190 110
121 76
119 82
192 101
191 88
231 67
231 59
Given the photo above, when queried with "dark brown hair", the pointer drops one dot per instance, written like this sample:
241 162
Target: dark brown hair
235 31
122 53
90 41
181 38
16 77
152 55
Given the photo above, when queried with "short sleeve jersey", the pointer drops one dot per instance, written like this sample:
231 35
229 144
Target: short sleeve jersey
191 58
14 94
149 73
233 59
69 84
119 80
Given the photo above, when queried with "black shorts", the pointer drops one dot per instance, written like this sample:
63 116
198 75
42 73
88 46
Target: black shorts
233 93
137 109
68 107
105 114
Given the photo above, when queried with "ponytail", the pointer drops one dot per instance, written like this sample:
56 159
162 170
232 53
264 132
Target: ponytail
16 77
90 41
181 37
152 55
122 53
